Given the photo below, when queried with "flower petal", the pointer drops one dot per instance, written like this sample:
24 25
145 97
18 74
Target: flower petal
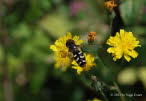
111 50
79 69
74 63
133 53
53 47
75 38
127 58
79 42
68 35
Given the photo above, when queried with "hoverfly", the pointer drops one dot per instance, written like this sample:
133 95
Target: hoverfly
77 54
76 50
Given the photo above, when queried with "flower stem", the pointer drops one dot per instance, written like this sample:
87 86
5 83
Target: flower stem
102 93
98 87
119 91
100 61
103 68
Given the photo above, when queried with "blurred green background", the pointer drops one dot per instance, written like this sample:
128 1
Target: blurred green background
29 27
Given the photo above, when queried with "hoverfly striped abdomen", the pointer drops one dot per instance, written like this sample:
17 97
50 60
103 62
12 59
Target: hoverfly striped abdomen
77 54
79 57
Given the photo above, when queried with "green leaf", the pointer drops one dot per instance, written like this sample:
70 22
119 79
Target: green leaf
130 11
21 31
14 64
38 78
56 24
1 53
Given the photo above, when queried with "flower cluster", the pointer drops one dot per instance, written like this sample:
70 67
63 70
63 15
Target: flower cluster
123 44
64 58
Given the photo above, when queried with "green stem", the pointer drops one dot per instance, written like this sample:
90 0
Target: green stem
100 61
119 91
97 87
102 93
103 68
95 54
105 98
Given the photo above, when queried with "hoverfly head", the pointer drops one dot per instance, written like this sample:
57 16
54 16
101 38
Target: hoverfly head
69 42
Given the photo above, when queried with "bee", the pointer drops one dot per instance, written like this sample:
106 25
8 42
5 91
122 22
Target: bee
77 53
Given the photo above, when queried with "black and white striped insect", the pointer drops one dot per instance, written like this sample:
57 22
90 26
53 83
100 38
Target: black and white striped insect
77 54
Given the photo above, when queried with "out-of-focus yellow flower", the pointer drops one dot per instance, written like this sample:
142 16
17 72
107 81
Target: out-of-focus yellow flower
123 44
89 64
62 54
110 5
95 99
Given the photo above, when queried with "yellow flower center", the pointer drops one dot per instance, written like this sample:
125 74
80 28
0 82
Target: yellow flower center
63 54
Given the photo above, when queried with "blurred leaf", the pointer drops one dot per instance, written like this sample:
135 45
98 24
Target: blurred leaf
77 95
37 48
12 18
139 32
1 54
1 93
130 10
45 4
34 11
39 39
21 31
143 16
56 24
37 8
38 78
14 64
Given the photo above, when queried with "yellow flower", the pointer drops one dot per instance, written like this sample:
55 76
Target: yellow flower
95 99
123 44
89 63
62 54
63 63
